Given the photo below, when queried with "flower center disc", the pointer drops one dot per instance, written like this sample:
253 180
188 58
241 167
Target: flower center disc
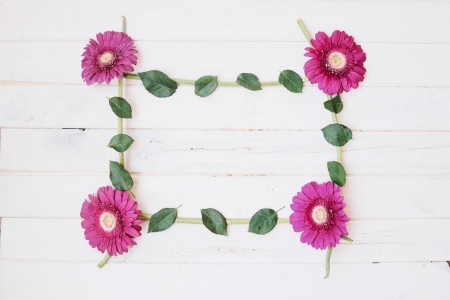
106 57
337 60
107 221
319 214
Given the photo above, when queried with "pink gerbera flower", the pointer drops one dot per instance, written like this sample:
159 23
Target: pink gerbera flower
318 212
111 220
336 62
109 56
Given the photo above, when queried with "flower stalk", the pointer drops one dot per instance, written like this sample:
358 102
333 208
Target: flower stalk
346 238
146 216
120 94
335 121
327 261
120 124
338 149
304 30
103 261
219 83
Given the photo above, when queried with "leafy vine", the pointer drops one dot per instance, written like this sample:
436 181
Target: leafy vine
111 219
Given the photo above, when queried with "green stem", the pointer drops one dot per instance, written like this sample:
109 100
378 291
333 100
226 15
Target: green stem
120 92
346 238
104 261
339 154
120 125
183 81
270 83
338 149
334 118
120 128
335 121
146 216
220 83
131 76
304 30
327 261
124 24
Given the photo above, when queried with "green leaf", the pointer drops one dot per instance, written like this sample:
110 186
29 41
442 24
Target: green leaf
120 178
120 107
121 142
334 105
249 81
205 85
291 80
158 84
337 134
214 221
263 221
337 172
162 220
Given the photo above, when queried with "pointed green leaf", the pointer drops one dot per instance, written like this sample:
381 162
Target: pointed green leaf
214 221
334 105
121 142
162 220
120 178
291 81
337 172
120 107
263 221
249 81
337 134
205 85
158 84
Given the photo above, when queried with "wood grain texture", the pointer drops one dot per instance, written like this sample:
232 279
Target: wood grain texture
236 151
25 106
225 152
370 21
192 60
368 197
24 280
374 241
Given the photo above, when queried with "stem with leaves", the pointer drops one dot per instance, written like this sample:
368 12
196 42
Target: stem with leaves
335 121
146 216
120 94
338 149
120 130
219 83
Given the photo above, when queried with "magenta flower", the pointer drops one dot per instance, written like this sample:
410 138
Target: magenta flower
108 57
318 212
336 62
111 220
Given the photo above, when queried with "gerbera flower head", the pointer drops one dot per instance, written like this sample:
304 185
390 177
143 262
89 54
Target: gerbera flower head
319 214
107 57
336 62
111 220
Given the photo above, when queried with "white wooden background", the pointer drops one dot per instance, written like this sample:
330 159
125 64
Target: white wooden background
237 151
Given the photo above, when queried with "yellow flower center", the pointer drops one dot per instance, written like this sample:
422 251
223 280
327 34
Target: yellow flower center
107 221
106 57
337 60
319 214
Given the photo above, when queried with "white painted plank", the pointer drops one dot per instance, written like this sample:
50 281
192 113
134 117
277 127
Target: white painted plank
367 197
368 21
191 60
374 241
225 152
26 280
25 106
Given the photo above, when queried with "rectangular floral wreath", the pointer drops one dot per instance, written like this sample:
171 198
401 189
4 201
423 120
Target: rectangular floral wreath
111 219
